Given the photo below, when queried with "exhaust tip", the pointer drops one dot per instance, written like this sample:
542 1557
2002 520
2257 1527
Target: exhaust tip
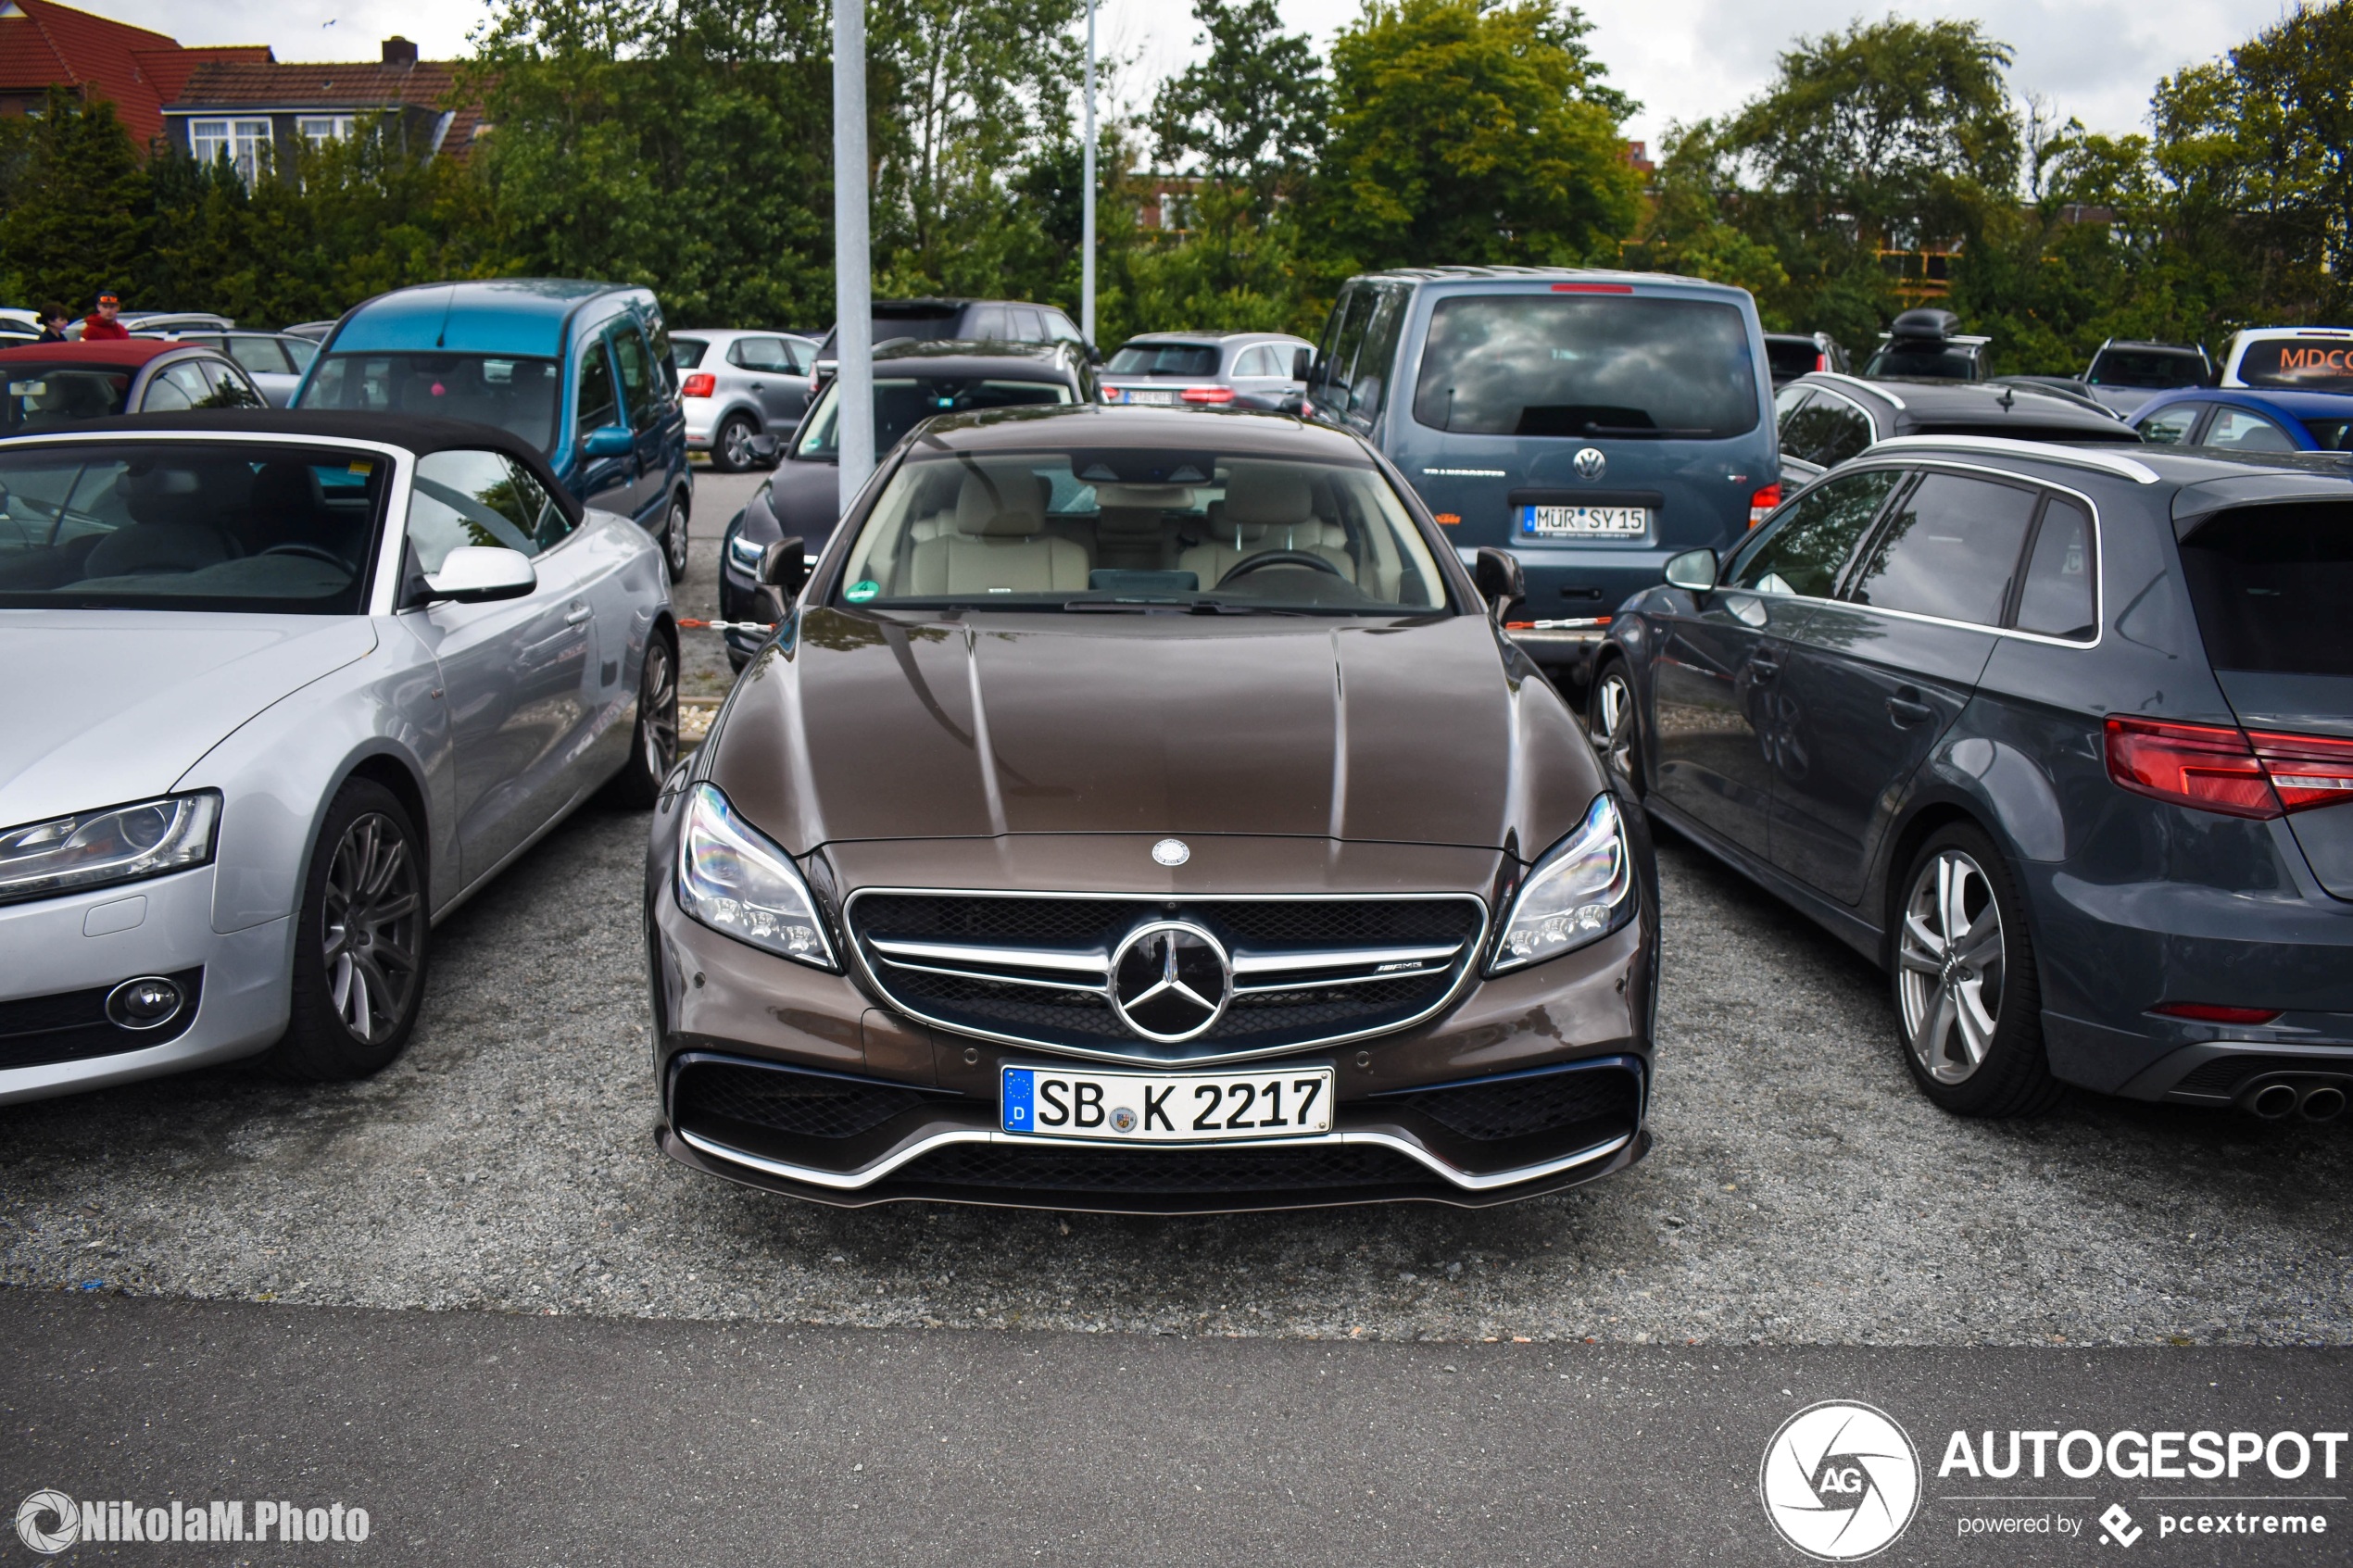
2275 1100
2321 1103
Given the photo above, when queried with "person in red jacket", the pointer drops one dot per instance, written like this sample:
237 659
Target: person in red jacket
100 324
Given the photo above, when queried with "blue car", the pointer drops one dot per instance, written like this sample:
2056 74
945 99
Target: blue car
580 370
2247 421
1593 423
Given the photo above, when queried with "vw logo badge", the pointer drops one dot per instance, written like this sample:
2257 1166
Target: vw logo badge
1591 463
1170 981
1171 852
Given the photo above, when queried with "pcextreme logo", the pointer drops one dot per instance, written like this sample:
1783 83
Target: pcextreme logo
1840 1481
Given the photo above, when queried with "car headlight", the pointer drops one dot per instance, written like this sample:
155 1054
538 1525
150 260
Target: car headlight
119 844
744 553
735 882
1583 889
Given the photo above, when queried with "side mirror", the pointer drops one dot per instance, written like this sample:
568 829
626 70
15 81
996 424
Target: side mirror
1317 370
608 441
1499 577
1094 355
1302 360
480 573
1693 572
783 566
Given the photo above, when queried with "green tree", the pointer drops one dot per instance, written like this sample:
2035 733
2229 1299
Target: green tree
1472 131
1687 231
72 223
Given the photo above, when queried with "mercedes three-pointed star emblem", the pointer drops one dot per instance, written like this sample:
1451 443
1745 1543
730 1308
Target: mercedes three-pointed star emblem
1170 981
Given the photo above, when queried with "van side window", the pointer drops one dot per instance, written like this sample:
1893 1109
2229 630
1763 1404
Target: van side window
1368 387
597 407
2058 599
1808 545
1350 317
636 376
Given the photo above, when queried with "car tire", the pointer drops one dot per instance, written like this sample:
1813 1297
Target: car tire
1968 1001
360 942
672 539
653 741
731 444
1613 717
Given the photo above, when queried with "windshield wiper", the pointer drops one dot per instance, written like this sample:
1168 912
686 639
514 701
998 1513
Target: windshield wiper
1186 606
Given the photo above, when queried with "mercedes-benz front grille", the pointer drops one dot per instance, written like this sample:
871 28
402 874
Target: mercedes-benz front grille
1167 979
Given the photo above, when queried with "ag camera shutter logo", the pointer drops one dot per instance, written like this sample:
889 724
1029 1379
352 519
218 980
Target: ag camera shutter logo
1840 1481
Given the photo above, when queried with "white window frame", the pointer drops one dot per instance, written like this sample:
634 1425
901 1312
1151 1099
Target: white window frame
319 129
248 142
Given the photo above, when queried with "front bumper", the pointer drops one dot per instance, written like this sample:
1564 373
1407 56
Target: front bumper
60 952
722 1003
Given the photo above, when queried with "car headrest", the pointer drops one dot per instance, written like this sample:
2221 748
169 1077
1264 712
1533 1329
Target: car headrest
1001 505
1265 497
167 494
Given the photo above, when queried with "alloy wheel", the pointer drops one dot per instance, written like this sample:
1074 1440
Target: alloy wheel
657 712
1613 721
1950 952
374 914
734 441
674 542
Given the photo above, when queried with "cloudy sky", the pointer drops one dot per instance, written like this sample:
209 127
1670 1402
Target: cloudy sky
2095 60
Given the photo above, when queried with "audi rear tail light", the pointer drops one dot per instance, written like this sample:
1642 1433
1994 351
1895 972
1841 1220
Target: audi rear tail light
2203 766
699 385
1207 395
2307 770
1763 502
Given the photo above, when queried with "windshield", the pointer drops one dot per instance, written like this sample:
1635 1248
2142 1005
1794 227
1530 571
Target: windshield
1129 531
1585 365
517 395
232 526
1923 362
2306 367
687 352
903 402
2151 369
1164 360
56 395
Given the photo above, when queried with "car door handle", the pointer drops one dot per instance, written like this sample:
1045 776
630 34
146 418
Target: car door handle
576 614
1906 708
1764 666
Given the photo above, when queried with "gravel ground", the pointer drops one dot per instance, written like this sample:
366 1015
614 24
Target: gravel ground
1801 1191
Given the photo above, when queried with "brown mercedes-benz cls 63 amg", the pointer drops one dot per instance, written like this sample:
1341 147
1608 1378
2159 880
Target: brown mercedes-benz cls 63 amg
1144 811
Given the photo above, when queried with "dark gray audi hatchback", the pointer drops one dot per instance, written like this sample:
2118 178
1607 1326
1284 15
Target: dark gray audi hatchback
1144 810
2061 736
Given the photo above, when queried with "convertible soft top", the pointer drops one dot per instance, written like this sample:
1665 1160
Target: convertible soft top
416 433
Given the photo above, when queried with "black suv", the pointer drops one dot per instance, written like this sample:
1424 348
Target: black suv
1825 419
2061 736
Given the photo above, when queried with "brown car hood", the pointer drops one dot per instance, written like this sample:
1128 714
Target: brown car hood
1428 732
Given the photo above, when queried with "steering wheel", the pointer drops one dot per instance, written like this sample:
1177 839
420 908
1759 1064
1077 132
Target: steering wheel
313 551
1280 558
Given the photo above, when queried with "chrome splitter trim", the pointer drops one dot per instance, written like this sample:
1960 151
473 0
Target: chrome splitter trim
867 1175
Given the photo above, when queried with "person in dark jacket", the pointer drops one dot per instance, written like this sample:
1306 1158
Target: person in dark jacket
100 324
54 319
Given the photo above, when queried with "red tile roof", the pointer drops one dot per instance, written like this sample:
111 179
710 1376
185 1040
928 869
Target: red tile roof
339 84
43 43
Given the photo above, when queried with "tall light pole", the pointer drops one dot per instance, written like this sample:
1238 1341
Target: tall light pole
1087 210
853 280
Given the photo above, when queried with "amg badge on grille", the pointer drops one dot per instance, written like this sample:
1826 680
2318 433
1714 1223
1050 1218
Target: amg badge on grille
1171 852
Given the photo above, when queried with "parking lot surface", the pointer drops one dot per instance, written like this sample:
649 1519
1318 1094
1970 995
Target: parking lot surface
1800 1190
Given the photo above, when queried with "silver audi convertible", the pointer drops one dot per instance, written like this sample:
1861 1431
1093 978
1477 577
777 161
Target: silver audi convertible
281 691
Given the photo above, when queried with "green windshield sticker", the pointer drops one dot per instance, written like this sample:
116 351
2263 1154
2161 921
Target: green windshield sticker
863 589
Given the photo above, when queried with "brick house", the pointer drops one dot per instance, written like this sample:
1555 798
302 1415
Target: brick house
44 44
259 112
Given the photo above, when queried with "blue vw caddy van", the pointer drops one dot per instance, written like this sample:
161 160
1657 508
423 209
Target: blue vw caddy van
1593 423
581 371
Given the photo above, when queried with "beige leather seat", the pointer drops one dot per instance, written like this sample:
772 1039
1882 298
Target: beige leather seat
1266 507
997 541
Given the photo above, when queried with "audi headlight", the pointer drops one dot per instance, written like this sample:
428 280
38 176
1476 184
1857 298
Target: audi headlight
119 844
1583 889
735 880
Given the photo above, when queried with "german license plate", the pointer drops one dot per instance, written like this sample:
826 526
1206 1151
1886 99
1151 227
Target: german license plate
1147 394
1050 1102
1582 522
